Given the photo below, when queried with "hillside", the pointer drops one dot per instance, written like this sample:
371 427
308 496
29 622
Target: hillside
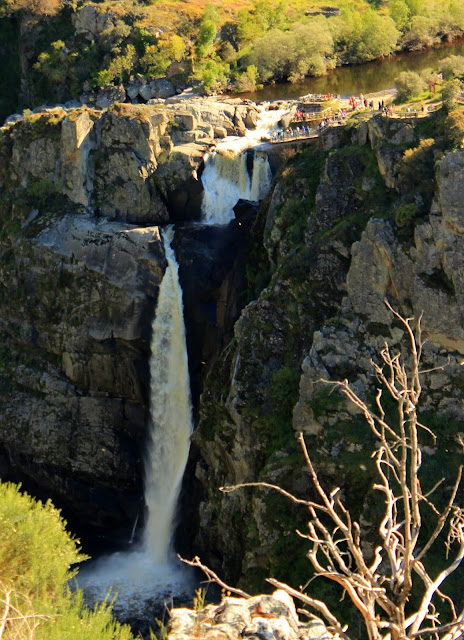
57 51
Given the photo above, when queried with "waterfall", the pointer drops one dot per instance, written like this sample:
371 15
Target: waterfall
226 180
170 410
151 569
261 177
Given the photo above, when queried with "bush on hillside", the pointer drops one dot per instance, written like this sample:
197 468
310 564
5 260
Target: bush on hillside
450 92
409 84
453 66
454 126
36 555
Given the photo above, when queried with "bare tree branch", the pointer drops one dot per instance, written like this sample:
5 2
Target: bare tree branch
212 576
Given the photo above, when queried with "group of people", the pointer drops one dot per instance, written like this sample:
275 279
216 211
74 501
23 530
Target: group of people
305 131
319 97
290 133
363 102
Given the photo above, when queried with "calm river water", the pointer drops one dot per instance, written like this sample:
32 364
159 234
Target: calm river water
365 78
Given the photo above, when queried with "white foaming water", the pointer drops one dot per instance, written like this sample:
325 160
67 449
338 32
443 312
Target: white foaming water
225 178
266 123
151 568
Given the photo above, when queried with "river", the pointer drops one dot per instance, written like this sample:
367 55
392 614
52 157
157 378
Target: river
365 78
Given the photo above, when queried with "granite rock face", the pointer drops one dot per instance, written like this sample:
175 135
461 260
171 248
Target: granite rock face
81 263
334 254
77 298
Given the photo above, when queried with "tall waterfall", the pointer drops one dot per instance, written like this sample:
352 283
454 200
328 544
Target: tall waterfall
170 410
226 180
151 568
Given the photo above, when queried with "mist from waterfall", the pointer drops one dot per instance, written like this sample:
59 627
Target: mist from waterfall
151 568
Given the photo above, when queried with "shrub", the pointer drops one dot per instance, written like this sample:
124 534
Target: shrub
36 555
408 84
453 66
405 214
450 93
454 126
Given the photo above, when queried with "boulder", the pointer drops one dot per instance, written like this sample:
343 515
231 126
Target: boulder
90 21
220 132
106 97
268 617
159 88
251 119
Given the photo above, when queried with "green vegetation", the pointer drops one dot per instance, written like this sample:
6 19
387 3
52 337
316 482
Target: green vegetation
36 556
455 127
409 83
221 46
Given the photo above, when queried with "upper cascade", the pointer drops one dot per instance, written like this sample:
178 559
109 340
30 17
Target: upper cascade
226 178
226 181
267 121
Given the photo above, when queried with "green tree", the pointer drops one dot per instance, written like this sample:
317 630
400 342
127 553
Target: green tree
54 73
408 84
215 75
453 66
119 69
305 49
450 92
367 35
153 63
208 29
400 13
247 81
422 33
36 555
264 16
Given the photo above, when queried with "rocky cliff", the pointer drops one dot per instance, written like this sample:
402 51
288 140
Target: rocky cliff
373 212
83 193
379 217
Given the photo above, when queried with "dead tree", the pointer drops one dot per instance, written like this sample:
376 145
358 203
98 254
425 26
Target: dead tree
381 588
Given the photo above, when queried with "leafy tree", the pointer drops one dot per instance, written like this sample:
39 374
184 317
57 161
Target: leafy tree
36 555
408 84
265 16
452 66
304 49
454 127
450 92
416 7
114 36
227 53
119 69
422 33
215 75
54 73
173 49
247 81
208 29
366 36
400 13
